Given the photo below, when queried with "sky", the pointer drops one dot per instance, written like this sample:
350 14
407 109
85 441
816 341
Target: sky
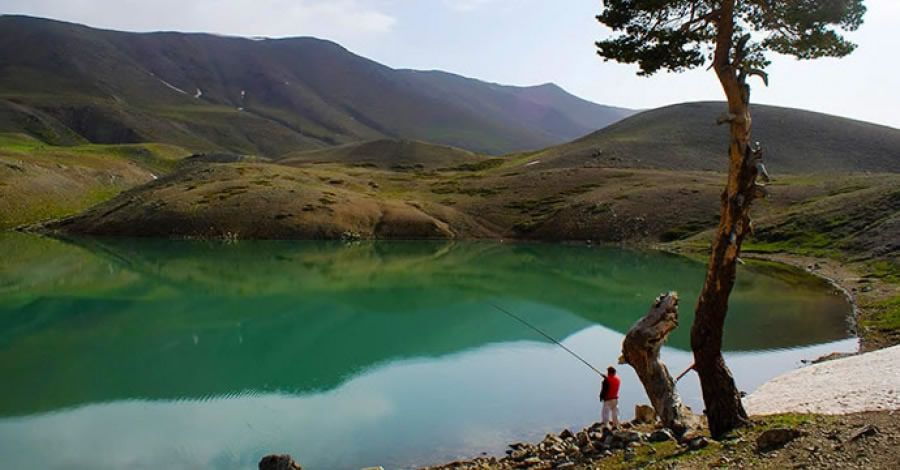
515 42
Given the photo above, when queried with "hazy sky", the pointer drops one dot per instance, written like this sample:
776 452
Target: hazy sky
519 42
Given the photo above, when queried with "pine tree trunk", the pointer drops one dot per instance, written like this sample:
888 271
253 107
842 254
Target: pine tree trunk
720 394
724 409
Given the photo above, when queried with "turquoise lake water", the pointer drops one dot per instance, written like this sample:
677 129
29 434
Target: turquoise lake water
182 355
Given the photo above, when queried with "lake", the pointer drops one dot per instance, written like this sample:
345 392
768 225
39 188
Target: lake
186 354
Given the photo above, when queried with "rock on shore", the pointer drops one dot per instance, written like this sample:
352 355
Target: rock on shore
575 449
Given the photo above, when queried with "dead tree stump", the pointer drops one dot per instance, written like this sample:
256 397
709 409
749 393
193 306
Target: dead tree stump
640 350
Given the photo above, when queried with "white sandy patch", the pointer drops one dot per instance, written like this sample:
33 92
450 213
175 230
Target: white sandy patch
867 382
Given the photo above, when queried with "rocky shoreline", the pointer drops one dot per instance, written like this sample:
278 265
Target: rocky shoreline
575 449
861 441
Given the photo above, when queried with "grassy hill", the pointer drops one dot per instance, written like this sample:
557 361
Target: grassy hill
64 83
38 181
264 200
686 137
391 155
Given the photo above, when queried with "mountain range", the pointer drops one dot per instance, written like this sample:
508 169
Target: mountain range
69 84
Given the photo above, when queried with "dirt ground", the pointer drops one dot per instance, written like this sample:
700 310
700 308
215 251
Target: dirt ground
828 443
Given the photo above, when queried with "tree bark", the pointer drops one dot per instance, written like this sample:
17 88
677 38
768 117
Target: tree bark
641 351
724 409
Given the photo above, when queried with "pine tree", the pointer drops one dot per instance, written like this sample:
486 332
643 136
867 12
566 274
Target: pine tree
735 38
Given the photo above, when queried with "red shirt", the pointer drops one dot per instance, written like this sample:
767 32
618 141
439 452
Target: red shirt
610 388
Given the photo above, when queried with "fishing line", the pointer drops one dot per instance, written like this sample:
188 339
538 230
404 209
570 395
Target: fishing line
545 335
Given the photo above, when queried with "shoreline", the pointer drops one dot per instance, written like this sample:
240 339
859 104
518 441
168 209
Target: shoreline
800 263
868 291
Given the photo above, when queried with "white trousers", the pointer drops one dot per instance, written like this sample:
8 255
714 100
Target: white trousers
610 407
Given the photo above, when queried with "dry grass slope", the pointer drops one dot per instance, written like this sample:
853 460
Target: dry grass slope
685 137
258 200
399 155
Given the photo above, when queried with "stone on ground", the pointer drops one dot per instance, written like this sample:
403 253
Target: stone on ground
661 435
777 438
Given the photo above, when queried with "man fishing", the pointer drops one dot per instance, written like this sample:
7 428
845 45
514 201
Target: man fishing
609 393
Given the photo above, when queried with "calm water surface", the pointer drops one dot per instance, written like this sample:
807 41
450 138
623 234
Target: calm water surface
183 355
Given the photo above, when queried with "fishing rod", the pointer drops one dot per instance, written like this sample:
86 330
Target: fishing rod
545 335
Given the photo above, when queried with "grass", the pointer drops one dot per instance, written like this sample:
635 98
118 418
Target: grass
488 164
40 181
19 143
51 209
25 145
883 315
808 244
885 270
680 232
397 155
162 158
536 206
789 420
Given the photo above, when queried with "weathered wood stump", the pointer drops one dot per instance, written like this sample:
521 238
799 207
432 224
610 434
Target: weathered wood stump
278 462
640 350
